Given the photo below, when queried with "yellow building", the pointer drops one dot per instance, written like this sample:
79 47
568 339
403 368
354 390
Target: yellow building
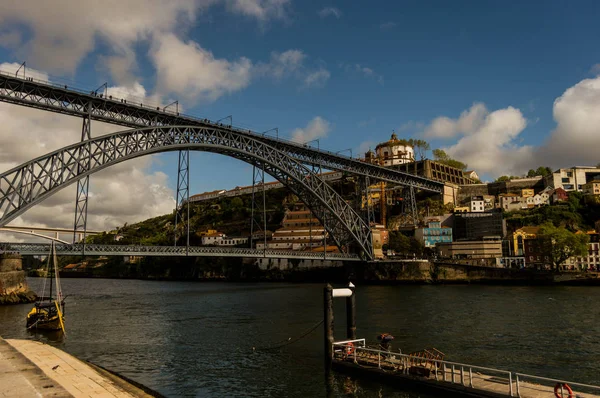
517 239
527 192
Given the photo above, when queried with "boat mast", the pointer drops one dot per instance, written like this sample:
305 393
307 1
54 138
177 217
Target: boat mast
50 270
56 276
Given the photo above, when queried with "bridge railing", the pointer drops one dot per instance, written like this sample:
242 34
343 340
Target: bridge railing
157 107
133 250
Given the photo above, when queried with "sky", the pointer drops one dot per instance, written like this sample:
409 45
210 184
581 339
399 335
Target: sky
502 86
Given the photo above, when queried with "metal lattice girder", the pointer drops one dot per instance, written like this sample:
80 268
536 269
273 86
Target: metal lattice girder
409 206
258 206
60 99
28 184
83 185
40 249
182 209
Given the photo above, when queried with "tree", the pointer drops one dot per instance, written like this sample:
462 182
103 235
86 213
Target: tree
420 146
442 157
540 171
560 243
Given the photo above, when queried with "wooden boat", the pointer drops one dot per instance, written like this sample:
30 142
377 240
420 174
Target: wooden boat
48 311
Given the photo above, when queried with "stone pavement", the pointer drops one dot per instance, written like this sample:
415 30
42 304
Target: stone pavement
32 369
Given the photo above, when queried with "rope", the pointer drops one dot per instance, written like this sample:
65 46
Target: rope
289 339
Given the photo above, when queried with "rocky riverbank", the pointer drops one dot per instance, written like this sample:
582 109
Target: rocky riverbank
13 285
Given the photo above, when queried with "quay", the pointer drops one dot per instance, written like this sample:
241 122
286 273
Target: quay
32 369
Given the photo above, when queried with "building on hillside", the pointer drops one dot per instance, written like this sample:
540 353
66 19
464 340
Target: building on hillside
510 202
536 254
484 248
590 262
572 179
477 204
232 241
212 238
437 171
301 230
592 188
527 192
473 226
391 153
471 174
516 240
559 195
433 234
461 209
207 195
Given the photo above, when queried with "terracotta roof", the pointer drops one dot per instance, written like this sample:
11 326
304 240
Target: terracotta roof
215 234
71 266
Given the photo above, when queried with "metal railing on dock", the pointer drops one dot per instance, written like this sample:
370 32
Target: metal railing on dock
480 378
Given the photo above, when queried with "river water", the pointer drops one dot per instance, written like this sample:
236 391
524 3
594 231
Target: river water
197 339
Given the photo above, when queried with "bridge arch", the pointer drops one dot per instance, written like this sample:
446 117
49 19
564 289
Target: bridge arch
30 183
31 233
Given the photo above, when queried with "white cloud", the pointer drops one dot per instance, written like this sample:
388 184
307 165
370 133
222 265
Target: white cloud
489 145
595 69
330 12
316 128
468 123
362 70
126 192
364 147
58 46
260 9
317 78
576 139
282 64
388 25
190 70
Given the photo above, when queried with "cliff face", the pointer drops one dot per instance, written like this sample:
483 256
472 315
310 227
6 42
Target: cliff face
13 286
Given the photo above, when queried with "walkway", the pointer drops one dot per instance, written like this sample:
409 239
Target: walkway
32 369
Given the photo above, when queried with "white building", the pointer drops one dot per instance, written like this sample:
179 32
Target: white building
232 241
572 179
213 238
477 204
392 152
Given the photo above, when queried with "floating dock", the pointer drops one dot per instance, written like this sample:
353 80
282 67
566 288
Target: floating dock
426 372
32 369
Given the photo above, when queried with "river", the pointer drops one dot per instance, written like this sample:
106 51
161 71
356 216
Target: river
197 339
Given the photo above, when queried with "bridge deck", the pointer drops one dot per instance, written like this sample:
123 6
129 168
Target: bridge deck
42 249
51 97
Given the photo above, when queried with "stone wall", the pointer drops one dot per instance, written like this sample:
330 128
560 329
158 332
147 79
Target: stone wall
13 285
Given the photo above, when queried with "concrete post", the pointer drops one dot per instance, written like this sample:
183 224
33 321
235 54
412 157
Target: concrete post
328 326
351 314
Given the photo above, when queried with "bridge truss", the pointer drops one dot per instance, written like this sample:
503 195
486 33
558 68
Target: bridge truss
42 249
61 99
28 184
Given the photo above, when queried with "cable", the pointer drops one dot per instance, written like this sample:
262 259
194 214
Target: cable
289 340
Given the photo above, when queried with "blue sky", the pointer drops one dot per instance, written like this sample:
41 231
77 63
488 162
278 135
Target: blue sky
364 69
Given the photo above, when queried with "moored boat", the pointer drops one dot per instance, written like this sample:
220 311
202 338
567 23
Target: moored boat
48 311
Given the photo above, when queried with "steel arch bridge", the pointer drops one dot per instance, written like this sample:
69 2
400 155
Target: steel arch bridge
57 98
28 184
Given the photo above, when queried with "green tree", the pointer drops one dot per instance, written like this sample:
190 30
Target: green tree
442 157
560 243
421 147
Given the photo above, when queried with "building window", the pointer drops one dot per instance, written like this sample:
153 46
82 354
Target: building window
565 180
569 174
